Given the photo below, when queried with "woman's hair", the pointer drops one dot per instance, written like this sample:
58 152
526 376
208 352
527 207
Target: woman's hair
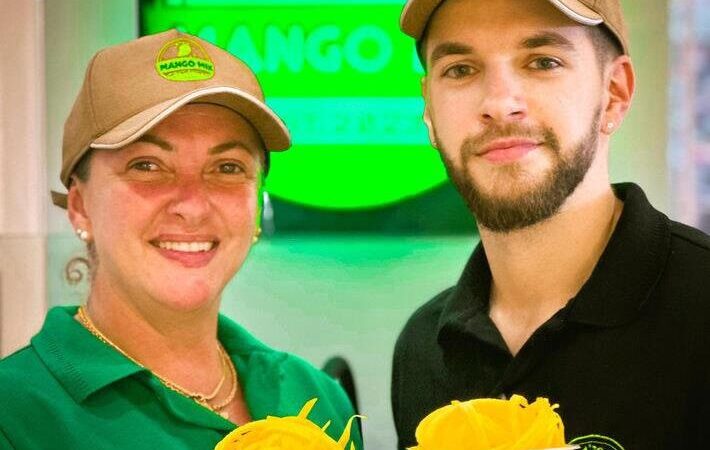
80 266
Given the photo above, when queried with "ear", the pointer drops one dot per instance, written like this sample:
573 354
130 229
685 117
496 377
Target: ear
427 114
76 208
620 86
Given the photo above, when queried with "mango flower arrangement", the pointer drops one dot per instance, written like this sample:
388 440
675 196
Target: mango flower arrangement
492 424
286 433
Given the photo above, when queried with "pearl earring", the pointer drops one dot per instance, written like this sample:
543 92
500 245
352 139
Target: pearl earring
83 234
255 239
610 126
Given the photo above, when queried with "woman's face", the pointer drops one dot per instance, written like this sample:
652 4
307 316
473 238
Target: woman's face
172 216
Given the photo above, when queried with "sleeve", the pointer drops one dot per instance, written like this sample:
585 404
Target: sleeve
303 381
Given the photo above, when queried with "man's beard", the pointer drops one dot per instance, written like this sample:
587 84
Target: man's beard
530 206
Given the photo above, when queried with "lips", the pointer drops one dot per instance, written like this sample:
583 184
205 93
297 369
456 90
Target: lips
502 151
188 251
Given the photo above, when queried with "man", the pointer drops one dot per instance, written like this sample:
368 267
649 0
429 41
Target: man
579 291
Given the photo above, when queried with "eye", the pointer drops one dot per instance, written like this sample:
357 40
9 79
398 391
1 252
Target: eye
144 166
459 71
545 63
229 168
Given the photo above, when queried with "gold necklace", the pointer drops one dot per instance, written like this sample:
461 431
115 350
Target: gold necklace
201 399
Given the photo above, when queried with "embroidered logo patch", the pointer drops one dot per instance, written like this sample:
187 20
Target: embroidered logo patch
596 442
184 60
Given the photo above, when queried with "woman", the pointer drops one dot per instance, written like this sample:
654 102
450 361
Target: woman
164 155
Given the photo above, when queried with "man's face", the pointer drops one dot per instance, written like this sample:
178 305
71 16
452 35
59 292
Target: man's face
513 99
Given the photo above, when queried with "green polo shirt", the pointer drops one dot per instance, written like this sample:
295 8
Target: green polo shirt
68 390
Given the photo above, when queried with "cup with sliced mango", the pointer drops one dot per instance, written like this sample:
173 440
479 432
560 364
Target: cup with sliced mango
286 433
493 424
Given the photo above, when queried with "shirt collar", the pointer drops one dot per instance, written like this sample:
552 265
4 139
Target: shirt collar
617 289
469 298
630 266
260 368
77 359
83 365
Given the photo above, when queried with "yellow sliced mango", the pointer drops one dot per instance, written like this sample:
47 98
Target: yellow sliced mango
492 424
286 433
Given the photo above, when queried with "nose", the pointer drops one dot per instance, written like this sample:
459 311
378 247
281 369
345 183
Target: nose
503 97
190 201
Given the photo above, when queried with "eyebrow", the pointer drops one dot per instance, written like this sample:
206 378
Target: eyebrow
217 149
221 148
547 39
449 48
155 140
543 39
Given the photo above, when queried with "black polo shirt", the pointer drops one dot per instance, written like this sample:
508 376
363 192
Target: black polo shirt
627 358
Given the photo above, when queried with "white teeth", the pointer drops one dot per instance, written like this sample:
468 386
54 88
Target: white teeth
187 247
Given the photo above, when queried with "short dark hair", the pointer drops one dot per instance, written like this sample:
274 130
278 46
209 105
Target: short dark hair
606 46
81 169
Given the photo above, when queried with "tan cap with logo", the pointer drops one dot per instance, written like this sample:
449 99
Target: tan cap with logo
416 14
129 88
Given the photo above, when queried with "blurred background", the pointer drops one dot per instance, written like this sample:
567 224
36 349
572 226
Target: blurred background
361 226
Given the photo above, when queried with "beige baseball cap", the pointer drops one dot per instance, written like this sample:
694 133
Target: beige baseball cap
416 14
129 88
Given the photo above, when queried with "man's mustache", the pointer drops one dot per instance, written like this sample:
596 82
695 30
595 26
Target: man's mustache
472 145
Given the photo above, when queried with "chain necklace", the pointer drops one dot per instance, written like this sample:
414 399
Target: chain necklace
201 399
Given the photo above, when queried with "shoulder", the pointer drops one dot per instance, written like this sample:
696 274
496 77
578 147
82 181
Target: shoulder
423 323
26 386
20 365
688 266
691 241
298 377
302 381
305 372
305 377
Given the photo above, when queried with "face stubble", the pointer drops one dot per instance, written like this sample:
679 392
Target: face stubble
532 205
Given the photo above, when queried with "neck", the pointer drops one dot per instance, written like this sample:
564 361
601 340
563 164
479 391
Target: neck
537 270
180 346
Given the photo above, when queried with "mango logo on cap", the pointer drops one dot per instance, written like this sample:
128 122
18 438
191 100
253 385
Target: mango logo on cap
184 59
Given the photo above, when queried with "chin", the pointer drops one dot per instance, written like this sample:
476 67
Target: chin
184 296
510 186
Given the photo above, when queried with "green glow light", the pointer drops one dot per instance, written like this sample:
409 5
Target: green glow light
344 79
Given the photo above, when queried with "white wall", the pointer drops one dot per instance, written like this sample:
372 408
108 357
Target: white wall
75 30
46 46
22 162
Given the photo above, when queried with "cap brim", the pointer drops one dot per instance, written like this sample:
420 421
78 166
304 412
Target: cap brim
417 13
267 124
59 199
577 11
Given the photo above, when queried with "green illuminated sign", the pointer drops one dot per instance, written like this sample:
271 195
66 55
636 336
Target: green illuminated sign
344 79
